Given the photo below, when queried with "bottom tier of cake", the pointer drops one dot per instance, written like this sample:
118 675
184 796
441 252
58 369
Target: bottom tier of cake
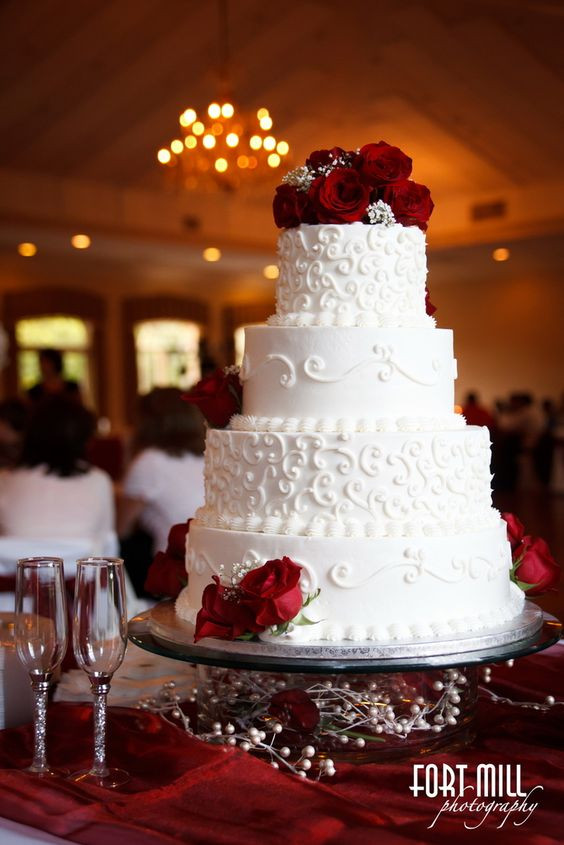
372 589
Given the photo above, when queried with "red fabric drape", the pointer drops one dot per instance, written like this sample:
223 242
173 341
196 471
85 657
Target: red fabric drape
183 790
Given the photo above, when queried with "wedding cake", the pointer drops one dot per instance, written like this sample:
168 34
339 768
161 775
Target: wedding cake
347 456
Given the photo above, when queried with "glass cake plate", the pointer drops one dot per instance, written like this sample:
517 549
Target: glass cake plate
160 630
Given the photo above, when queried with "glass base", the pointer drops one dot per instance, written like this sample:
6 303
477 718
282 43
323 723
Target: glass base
359 719
112 779
47 772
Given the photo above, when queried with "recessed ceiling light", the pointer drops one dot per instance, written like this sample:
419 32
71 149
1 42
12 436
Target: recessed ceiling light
501 254
80 241
211 253
27 249
270 271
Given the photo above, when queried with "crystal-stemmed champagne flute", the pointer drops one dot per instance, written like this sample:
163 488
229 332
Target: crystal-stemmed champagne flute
99 639
41 638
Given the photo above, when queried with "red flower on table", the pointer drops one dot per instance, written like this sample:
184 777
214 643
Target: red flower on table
411 203
167 574
218 396
381 164
273 592
340 197
294 709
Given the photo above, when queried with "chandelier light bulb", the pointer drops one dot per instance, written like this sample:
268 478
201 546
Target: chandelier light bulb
221 165
232 139
282 148
271 271
214 110
242 162
227 110
187 117
252 162
269 143
263 113
255 142
27 249
177 146
265 123
164 156
501 254
273 160
198 128
208 141
190 141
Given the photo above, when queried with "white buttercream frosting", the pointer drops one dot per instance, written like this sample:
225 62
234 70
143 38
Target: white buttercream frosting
352 274
396 588
450 422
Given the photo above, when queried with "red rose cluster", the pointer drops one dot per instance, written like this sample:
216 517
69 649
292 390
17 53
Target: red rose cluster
534 568
337 186
218 396
267 596
167 574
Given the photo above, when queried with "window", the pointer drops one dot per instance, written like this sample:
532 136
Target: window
70 335
167 353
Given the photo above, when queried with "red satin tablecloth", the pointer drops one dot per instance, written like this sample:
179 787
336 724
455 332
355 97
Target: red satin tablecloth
183 790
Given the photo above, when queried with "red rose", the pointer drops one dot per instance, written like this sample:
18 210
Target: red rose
218 396
537 566
323 158
515 529
429 307
167 574
411 203
290 207
340 197
294 709
381 164
273 591
223 616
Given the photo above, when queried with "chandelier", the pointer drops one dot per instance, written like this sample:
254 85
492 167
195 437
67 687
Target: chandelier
223 145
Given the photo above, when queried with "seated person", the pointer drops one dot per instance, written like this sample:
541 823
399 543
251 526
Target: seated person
53 493
165 483
13 419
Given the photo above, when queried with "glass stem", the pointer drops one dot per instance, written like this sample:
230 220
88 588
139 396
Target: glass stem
40 687
100 689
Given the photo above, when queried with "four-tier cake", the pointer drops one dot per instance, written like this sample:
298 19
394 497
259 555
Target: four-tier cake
347 456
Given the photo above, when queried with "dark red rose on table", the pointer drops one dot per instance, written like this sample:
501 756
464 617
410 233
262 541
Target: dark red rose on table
218 396
167 574
537 567
294 709
323 158
340 197
381 164
273 592
515 529
223 614
411 203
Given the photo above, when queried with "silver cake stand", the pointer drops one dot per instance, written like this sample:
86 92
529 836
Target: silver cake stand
376 701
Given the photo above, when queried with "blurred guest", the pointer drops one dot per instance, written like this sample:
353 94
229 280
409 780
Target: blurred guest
13 417
52 382
475 413
54 493
165 483
543 450
521 425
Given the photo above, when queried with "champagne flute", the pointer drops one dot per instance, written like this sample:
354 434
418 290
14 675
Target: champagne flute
41 639
99 641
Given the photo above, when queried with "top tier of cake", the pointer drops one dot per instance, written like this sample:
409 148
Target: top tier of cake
352 274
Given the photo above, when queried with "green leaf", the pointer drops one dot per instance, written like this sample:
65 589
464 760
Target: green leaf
310 598
356 734
248 636
303 620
